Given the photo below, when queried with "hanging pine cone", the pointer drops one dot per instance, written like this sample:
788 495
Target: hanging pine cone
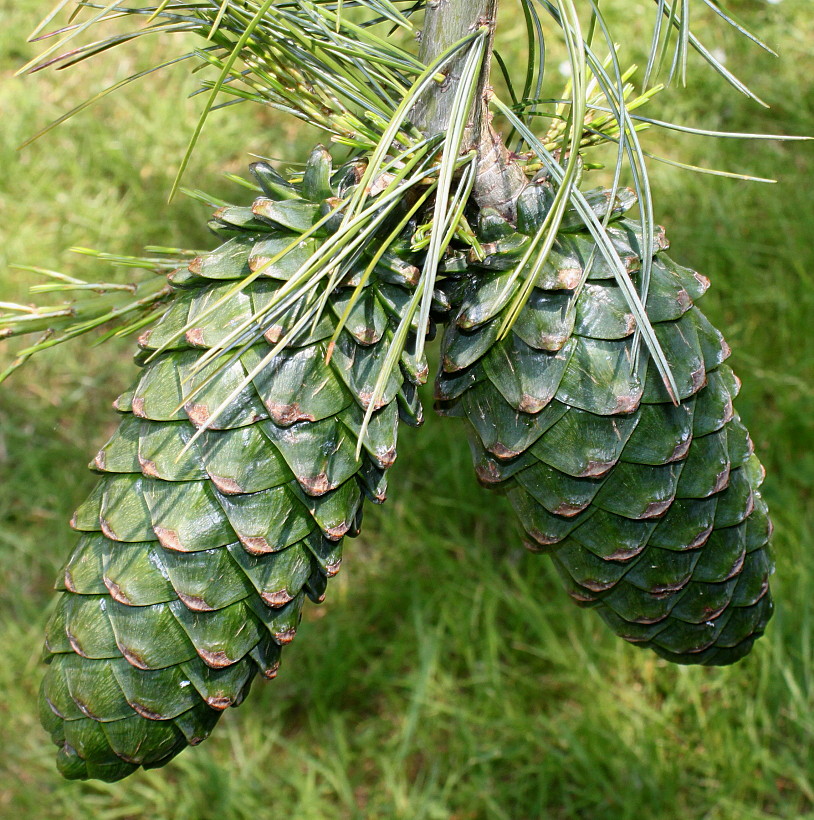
649 509
194 561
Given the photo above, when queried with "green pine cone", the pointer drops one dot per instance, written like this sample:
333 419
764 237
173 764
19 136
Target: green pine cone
192 568
650 511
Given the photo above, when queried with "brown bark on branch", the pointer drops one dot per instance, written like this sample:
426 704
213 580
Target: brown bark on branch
500 179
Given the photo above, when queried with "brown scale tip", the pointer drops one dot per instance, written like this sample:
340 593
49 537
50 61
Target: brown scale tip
729 411
721 481
627 404
552 342
699 378
116 591
632 638
134 659
531 405
596 586
53 708
274 334
337 532
258 262
286 636
651 621
84 709
657 508
287 414
227 486
705 644
764 588
411 274
488 473
219 703
195 336
169 539
75 645
737 566
148 468
596 469
683 298
256 545
701 538
569 278
623 554
581 597
366 398
260 206
198 414
123 403
216 660
195 603
711 613
750 448
502 452
631 263
138 408
675 587
569 510
142 710
531 546
466 321
368 337
271 672
543 538
386 458
680 451
277 599
316 485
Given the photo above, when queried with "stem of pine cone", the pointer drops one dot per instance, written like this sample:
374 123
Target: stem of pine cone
500 179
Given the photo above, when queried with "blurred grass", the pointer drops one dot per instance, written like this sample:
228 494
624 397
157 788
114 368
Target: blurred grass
447 676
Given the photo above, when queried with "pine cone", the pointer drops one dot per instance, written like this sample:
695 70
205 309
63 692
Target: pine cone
650 510
194 564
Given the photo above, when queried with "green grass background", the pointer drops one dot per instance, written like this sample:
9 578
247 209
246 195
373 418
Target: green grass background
447 676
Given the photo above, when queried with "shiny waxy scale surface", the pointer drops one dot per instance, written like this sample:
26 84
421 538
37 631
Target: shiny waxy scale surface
193 562
650 510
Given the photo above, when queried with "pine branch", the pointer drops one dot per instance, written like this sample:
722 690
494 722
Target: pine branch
499 178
